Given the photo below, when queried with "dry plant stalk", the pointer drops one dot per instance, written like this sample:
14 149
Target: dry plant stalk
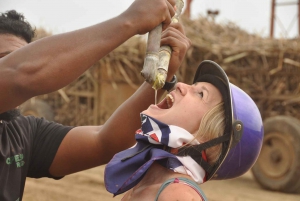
165 53
157 59
151 58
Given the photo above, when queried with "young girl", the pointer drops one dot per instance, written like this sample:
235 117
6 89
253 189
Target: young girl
208 130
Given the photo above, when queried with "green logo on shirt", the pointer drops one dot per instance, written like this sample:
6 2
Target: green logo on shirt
18 159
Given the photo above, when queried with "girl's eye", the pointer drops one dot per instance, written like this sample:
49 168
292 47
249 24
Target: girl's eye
201 94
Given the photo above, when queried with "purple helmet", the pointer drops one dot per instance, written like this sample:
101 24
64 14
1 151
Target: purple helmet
243 134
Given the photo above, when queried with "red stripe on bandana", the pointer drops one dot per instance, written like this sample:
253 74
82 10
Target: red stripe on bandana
154 137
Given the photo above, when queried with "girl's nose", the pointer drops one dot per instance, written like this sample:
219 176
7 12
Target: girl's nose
182 88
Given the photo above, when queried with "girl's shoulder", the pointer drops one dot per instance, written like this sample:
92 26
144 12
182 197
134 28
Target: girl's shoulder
180 189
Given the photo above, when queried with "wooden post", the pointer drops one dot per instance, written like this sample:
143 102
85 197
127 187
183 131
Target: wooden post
298 18
272 19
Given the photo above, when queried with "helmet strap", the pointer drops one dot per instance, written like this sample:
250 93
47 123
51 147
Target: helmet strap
195 151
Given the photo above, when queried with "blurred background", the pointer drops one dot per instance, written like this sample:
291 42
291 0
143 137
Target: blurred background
255 41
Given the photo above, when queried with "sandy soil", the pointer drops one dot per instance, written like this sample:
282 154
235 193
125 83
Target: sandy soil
88 186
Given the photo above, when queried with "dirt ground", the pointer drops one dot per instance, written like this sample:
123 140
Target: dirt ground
88 186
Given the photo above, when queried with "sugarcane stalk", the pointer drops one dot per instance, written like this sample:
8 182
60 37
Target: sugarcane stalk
165 54
157 58
151 57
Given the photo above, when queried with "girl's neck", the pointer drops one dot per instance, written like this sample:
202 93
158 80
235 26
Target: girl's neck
156 174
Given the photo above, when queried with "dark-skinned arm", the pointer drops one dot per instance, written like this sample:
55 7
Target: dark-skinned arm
53 62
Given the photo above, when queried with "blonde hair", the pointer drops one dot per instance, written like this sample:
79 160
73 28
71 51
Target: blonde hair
212 126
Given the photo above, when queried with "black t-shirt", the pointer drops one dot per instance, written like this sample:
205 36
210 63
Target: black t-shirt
27 148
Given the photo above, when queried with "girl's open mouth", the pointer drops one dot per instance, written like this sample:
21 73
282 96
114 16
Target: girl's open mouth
167 102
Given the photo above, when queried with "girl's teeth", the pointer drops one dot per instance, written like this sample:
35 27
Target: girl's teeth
170 100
